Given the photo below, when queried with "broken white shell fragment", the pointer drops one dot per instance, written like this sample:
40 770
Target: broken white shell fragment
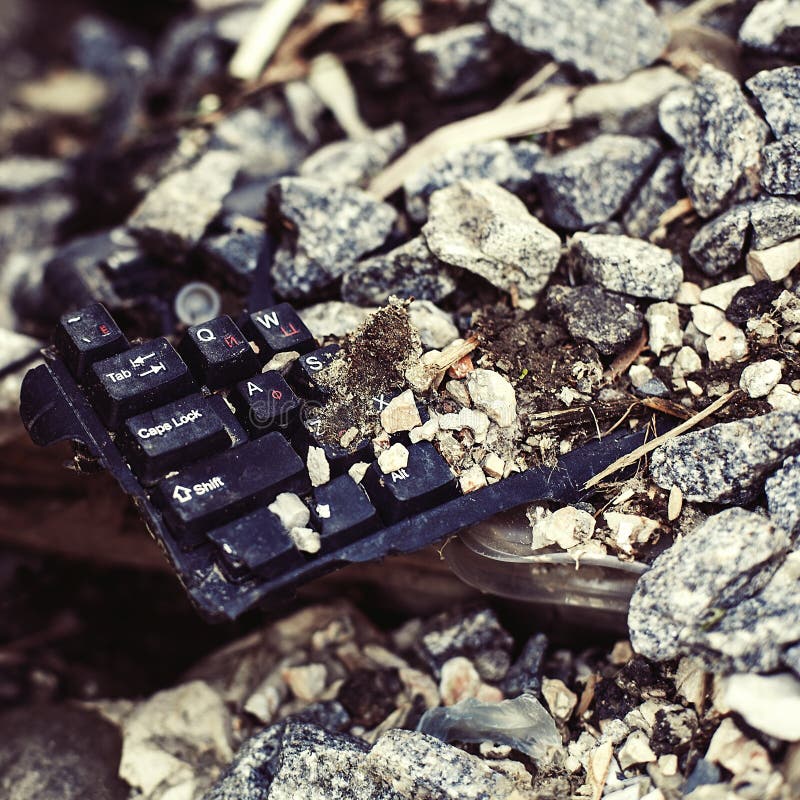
290 510
319 470
393 459
401 414
305 539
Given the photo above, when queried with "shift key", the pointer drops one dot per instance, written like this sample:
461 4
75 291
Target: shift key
223 487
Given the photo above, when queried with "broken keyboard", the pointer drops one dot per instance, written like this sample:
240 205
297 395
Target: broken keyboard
203 440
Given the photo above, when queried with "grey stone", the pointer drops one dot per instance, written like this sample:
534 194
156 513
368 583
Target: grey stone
508 165
607 40
791 658
589 184
29 174
419 767
722 149
174 215
436 327
626 265
235 254
476 635
325 229
783 490
607 321
773 27
778 94
33 222
774 220
354 162
728 462
525 674
264 139
658 193
458 61
481 227
719 244
410 270
677 114
781 171
59 752
690 601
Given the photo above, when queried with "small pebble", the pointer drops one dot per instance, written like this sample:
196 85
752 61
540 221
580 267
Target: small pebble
393 459
759 379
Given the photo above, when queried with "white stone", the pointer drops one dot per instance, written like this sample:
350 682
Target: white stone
493 394
459 680
686 361
630 529
688 294
720 296
759 379
706 318
306 682
782 398
358 471
436 328
476 421
458 391
281 362
425 432
640 375
739 754
770 703
319 470
559 698
566 527
393 459
290 510
695 388
726 343
493 466
333 318
305 539
636 750
668 764
472 479
774 263
401 414
664 326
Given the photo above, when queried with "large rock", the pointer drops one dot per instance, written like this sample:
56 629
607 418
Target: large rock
173 216
508 165
626 265
723 146
607 321
480 227
719 244
325 229
781 172
728 462
783 490
589 184
774 220
658 193
410 270
608 39
778 94
55 752
773 27
721 593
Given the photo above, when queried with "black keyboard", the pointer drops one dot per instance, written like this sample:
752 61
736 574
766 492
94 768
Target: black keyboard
204 441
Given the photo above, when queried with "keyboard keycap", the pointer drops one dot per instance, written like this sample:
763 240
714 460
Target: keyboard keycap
306 371
339 458
89 335
279 329
144 377
342 513
218 353
425 482
266 403
212 492
259 542
166 438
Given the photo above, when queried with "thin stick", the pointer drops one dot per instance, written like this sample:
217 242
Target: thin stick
538 79
633 457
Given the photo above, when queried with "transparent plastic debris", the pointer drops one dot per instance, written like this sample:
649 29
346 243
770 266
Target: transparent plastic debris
521 723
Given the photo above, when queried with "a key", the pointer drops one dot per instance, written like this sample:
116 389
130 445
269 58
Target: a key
340 458
259 542
162 440
306 371
89 335
278 330
342 512
425 482
144 377
212 492
266 403
218 352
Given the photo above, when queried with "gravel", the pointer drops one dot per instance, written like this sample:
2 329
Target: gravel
778 94
626 265
482 228
607 321
607 40
410 270
781 172
774 220
783 489
589 184
658 193
508 165
324 230
773 28
719 244
723 144
728 462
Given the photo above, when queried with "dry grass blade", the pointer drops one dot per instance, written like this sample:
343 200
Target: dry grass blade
547 112
667 407
535 82
635 455
622 361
